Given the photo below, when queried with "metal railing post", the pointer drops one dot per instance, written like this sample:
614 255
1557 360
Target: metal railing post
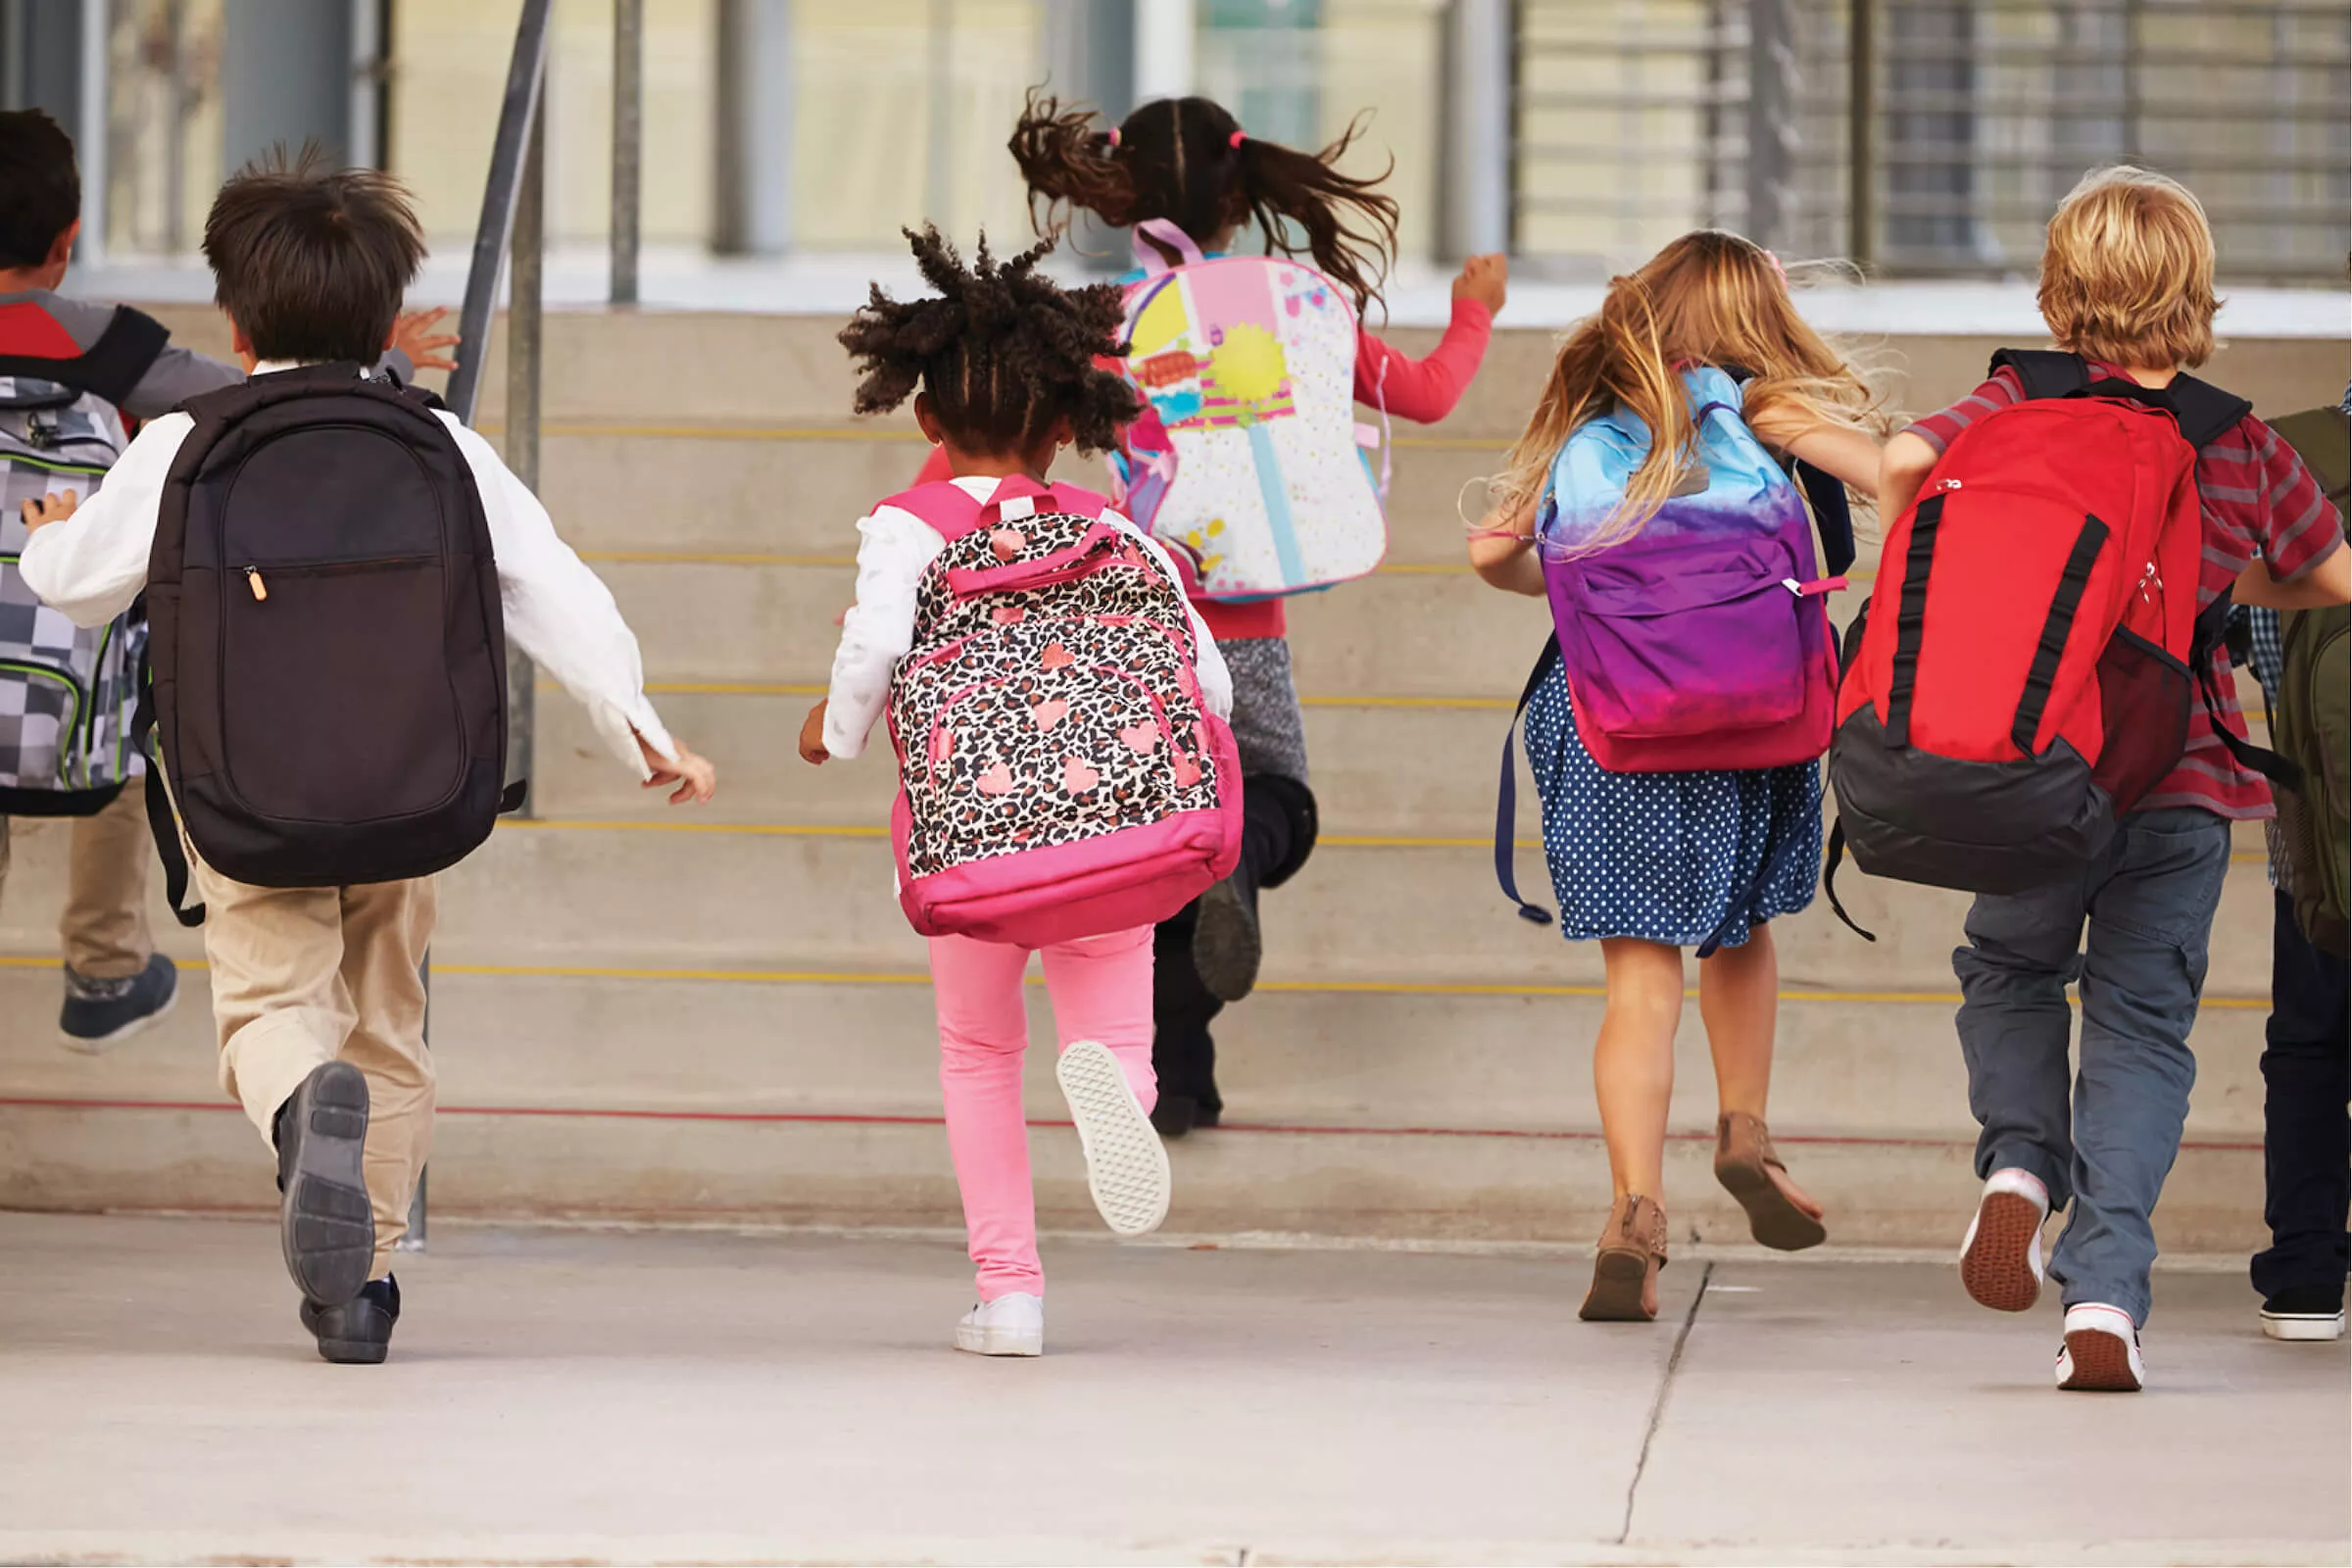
516 117
520 141
524 341
1862 135
629 143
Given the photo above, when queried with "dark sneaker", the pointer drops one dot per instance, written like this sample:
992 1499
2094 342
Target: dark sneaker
2305 1313
99 1013
1175 1115
324 1218
359 1332
1225 941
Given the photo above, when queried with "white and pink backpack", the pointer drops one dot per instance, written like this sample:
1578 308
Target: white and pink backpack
1061 775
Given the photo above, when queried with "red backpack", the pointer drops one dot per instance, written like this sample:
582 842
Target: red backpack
2023 678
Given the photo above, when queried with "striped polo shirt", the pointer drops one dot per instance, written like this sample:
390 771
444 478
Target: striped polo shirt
2258 500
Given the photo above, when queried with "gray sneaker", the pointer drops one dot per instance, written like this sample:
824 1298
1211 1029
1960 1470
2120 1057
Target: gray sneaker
1226 947
99 1013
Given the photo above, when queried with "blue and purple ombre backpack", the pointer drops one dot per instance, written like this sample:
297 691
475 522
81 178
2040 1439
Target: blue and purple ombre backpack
1703 641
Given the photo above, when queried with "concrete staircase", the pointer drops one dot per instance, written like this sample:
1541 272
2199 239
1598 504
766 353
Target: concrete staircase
719 1016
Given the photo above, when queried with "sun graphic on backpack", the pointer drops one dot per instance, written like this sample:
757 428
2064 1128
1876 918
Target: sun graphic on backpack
1247 367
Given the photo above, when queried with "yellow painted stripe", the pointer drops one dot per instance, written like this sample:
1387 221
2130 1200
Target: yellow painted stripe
866 977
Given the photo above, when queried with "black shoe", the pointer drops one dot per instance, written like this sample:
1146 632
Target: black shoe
2305 1313
324 1221
1174 1115
1226 948
100 1012
359 1332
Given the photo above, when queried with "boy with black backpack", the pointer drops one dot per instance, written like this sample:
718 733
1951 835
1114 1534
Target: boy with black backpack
332 565
74 379
2083 550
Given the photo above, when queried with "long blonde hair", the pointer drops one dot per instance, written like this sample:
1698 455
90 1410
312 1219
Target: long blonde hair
1708 298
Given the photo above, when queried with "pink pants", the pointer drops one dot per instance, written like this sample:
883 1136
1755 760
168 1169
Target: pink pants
1101 989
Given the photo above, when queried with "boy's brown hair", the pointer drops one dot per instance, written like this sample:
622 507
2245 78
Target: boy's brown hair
313 264
40 188
2127 276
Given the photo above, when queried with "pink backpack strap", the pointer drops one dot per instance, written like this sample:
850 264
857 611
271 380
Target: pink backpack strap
944 505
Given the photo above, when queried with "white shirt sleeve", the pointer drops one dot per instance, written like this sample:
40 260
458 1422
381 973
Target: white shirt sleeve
1216 681
562 614
90 567
894 548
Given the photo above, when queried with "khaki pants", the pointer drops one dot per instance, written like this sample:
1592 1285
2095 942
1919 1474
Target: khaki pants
302 976
105 920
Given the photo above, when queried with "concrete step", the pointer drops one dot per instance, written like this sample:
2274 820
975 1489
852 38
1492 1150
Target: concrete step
705 896
532 1124
838 1044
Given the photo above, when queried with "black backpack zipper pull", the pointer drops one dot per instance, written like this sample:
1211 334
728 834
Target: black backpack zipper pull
253 580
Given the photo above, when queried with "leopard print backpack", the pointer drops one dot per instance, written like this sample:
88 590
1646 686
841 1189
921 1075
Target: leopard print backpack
1059 774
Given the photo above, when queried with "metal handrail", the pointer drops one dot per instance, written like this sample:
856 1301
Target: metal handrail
526 76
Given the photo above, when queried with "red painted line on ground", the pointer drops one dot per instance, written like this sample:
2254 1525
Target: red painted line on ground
868 1119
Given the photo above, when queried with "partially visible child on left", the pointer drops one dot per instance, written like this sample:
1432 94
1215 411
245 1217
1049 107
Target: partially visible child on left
1001 366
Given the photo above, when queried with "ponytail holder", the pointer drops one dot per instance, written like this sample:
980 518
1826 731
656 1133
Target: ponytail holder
1114 136
1235 140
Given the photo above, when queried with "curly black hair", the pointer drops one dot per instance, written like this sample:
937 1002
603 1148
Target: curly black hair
1003 351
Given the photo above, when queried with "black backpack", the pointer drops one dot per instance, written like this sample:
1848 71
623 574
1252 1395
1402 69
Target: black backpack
328 657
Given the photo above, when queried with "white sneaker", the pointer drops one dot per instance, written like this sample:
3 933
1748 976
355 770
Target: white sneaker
1010 1325
2001 1261
1126 1165
2102 1351
2286 1317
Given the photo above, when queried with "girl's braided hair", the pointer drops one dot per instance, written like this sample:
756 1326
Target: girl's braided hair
1005 353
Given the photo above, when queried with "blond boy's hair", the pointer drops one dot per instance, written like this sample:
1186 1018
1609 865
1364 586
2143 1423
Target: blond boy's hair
2127 276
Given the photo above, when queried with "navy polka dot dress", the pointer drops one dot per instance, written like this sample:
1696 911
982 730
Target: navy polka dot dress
1678 859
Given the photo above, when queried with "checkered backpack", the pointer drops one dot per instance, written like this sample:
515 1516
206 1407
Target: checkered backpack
67 693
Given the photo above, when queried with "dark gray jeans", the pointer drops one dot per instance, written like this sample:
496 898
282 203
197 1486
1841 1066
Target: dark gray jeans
2149 903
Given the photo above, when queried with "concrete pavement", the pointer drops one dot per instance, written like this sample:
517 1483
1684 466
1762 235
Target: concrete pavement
603 1397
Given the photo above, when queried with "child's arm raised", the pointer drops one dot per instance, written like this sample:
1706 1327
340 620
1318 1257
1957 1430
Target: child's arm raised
1903 468
1426 391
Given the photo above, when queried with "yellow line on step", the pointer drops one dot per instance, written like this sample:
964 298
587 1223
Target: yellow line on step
869 977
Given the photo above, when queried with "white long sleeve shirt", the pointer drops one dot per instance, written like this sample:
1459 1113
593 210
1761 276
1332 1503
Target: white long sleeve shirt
894 548
91 565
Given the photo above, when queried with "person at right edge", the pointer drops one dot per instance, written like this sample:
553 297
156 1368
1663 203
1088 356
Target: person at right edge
2126 285
2306 1041
1188 161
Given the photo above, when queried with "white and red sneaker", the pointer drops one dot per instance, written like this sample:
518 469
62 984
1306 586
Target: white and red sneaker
2102 1351
2001 1262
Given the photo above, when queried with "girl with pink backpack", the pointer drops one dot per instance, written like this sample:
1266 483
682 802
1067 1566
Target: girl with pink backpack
1068 776
1676 720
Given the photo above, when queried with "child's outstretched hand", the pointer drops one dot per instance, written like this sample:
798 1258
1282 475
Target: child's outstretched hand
813 737
52 507
414 335
1486 279
696 779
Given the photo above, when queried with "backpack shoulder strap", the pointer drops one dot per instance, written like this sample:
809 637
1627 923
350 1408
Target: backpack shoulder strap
2205 411
111 367
2045 372
943 505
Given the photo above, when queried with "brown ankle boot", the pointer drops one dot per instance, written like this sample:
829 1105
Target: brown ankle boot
1744 1161
1625 1271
